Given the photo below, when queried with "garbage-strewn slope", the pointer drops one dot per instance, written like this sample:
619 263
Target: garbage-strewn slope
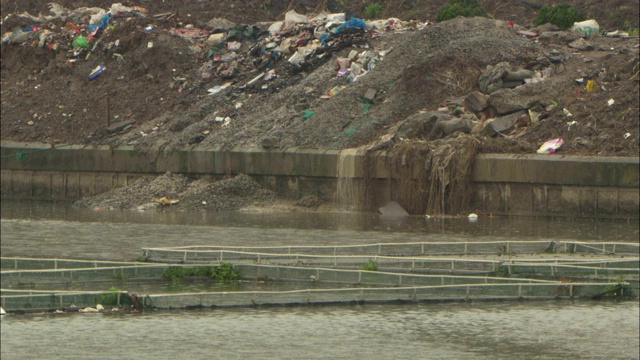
169 81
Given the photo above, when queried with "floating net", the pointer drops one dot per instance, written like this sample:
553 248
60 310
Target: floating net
416 249
374 295
38 301
336 274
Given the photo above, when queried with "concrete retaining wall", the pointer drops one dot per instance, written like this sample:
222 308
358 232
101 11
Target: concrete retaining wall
504 184
557 185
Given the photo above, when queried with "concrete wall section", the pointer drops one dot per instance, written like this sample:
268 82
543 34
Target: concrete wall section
557 185
556 200
58 185
313 163
557 170
504 184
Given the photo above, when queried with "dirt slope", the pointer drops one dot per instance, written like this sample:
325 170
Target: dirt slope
159 82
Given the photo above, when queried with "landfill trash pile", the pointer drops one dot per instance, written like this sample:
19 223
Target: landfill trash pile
158 77
322 80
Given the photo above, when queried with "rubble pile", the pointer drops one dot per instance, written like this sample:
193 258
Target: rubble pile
177 192
146 191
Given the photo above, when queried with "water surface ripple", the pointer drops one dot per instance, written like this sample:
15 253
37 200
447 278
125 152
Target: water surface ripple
479 330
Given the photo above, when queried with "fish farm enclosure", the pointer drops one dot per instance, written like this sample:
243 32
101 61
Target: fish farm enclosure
222 276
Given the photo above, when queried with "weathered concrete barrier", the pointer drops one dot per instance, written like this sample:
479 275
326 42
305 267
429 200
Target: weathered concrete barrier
504 184
557 185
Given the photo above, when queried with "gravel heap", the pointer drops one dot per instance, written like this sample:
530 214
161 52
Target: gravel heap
229 194
150 192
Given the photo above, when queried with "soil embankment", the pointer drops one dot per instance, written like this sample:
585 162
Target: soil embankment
191 73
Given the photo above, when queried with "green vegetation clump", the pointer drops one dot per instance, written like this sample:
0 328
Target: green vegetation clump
551 249
372 11
455 8
561 15
224 272
633 31
370 266
112 299
118 275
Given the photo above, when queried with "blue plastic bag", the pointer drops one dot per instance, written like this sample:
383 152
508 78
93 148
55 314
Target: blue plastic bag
351 24
103 23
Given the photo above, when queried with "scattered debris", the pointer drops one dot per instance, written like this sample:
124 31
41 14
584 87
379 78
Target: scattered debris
393 209
149 192
97 71
550 146
196 139
473 218
218 88
167 201
307 114
504 123
120 126
405 67
370 95
567 113
586 28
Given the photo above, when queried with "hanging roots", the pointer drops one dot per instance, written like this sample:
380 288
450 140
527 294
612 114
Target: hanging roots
450 177
432 178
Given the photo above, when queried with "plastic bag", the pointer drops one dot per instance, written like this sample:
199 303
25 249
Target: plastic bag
276 27
353 23
550 146
337 17
97 18
82 42
307 114
293 16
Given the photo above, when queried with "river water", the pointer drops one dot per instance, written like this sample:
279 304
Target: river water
478 330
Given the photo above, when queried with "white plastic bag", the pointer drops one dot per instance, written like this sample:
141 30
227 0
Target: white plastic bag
276 27
118 8
338 17
550 146
293 16
96 18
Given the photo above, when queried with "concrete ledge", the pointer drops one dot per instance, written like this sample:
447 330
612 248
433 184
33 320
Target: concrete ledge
557 170
37 157
502 168
503 184
556 200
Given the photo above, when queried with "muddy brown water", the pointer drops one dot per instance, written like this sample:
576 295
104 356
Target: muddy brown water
477 330
38 229
502 330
